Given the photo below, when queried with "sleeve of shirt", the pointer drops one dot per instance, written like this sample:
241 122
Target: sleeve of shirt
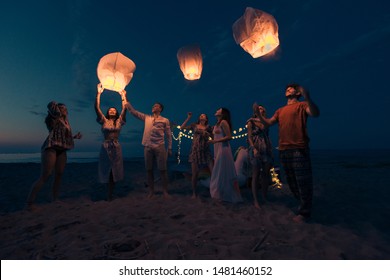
304 105
135 113
276 115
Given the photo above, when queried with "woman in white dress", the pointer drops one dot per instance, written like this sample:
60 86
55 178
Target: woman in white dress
110 158
223 183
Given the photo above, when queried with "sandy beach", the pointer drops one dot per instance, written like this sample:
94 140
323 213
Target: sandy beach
350 217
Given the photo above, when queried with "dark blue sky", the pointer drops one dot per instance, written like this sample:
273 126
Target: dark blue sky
49 50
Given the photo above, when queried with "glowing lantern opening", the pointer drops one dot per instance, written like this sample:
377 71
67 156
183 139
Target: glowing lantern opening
190 61
256 32
115 71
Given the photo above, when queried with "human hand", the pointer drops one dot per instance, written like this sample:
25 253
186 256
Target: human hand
123 92
53 109
255 106
169 152
189 115
78 136
100 88
123 97
304 92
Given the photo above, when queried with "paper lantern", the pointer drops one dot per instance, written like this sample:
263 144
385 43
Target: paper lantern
115 71
256 32
190 61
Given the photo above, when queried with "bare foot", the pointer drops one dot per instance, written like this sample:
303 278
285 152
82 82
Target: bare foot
60 203
299 219
32 207
151 195
217 202
256 204
166 195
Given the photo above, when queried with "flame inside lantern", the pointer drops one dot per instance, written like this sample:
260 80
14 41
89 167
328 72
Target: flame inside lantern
190 61
256 32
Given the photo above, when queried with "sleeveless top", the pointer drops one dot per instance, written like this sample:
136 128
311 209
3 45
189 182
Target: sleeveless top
111 129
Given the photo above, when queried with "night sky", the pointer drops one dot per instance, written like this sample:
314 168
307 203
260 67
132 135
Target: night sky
49 50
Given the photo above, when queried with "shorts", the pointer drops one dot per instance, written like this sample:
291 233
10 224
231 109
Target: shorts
159 153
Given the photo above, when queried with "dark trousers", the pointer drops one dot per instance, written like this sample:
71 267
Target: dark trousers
297 167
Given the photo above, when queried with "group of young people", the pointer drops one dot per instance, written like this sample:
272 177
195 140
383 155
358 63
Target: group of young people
294 152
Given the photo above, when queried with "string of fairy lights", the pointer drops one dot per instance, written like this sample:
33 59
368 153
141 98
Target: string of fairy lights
187 133
237 134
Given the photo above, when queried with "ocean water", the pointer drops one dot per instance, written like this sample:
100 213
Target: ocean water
363 158
344 158
36 157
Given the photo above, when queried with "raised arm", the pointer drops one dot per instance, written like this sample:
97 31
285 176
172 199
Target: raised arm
312 109
257 122
265 121
183 125
99 113
261 120
124 102
134 112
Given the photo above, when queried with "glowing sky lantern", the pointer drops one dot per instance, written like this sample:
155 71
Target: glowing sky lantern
190 61
256 32
115 71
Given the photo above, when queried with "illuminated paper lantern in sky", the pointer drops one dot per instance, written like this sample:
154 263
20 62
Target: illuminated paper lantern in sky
115 71
256 32
190 61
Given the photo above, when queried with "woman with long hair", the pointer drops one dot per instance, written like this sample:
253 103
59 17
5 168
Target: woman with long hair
54 150
260 153
110 158
200 155
224 183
